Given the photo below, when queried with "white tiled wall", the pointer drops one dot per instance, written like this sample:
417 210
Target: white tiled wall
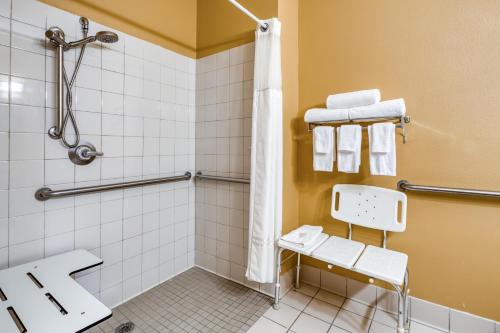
135 102
224 87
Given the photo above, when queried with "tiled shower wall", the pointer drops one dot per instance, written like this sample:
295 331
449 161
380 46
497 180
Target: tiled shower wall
135 102
224 88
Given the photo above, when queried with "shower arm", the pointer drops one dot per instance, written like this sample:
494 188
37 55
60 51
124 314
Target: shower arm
80 42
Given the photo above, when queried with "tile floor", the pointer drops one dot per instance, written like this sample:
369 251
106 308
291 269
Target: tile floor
193 301
310 309
199 301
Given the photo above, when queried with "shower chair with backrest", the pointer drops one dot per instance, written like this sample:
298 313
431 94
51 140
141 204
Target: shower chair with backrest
370 207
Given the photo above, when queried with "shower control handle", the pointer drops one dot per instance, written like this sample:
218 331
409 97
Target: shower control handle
89 153
83 154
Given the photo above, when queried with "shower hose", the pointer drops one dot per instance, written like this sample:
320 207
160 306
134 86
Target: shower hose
69 102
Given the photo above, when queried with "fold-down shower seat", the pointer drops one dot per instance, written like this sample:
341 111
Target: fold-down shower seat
41 296
370 207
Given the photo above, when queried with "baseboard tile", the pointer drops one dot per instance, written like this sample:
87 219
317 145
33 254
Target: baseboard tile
422 311
463 322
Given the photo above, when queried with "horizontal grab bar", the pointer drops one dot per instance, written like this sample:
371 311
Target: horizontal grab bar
199 175
45 193
404 185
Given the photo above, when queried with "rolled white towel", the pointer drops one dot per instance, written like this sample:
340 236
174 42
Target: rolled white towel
317 115
390 108
303 235
353 99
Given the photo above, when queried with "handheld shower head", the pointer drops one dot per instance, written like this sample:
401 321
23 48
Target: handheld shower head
106 37
101 36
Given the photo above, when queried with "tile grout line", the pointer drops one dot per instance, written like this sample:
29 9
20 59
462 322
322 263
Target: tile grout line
8 138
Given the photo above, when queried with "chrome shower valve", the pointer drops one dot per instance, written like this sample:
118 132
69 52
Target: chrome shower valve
84 154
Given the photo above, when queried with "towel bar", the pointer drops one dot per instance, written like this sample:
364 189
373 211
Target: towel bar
400 122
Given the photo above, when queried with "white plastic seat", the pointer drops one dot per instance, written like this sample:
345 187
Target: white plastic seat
383 264
340 252
304 250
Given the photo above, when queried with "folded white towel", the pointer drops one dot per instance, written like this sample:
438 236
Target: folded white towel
304 235
382 137
317 115
349 148
390 108
353 99
322 139
323 148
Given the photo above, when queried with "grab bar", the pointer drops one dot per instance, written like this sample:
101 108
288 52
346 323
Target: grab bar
404 185
199 175
45 193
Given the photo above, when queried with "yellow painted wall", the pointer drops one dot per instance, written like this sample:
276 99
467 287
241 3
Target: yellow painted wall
443 58
169 23
289 16
222 26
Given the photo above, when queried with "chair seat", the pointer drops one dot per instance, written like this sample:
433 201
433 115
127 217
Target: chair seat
303 250
339 251
383 264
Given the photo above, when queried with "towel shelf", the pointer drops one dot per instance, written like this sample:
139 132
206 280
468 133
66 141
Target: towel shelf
404 185
400 122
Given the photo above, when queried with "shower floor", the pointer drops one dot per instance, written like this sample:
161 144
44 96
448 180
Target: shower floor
193 301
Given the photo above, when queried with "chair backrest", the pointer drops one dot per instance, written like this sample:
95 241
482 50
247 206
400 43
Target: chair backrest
369 206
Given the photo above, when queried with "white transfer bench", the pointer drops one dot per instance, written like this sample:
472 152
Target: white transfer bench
370 207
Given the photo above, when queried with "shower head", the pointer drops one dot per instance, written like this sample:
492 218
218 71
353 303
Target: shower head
101 36
106 37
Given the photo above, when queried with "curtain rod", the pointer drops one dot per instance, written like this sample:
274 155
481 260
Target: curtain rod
263 26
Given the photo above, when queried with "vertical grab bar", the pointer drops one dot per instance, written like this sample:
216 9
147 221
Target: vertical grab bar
55 131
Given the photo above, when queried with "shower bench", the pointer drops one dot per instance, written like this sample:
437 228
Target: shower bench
41 296
370 207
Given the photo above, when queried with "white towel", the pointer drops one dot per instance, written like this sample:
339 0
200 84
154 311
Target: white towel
304 235
349 148
390 108
322 115
323 148
382 137
322 139
353 99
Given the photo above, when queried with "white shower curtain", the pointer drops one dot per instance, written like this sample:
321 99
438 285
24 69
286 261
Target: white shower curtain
266 158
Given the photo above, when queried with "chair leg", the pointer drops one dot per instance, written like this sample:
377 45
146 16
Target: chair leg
297 275
277 285
403 306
